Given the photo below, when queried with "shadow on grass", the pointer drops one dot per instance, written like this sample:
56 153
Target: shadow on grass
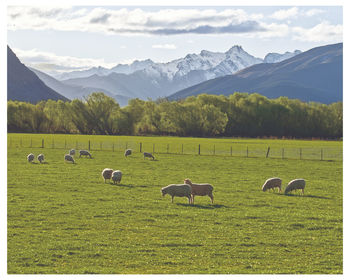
214 206
128 185
301 195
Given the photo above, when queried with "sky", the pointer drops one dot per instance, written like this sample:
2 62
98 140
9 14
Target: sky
66 38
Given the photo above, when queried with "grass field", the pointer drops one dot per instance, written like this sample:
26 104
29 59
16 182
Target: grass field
62 218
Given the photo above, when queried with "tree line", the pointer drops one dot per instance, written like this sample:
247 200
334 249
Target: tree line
239 114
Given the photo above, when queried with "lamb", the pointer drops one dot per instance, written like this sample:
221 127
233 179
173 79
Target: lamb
30 157
107 174
200 189
84 153
116 176
272 183
296 184
127 152
179 190
41 158
68 158
148 155
72 152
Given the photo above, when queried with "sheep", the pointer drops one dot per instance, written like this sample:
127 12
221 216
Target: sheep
180 190
127 152
41 158
107 174
148 155
30 157
200 189
272 183
68 158
296 184
72 152
84 153
116 176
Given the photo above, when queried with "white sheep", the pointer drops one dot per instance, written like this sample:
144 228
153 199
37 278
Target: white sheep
296 184
68 158
41 158
72 152
180 190
107 174
127 152
116 176
30 157
148 155
272 183
84 153
200 189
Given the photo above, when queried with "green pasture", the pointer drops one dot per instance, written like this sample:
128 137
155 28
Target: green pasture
63 218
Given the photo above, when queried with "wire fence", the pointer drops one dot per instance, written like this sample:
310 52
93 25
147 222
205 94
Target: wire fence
219 149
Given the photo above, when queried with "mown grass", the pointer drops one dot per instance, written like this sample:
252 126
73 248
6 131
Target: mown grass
62 218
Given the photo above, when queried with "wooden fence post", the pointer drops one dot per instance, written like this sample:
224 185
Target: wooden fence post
42 143
140 147
268 151
89 145
300 152
199 149
247 151
153 147
321 154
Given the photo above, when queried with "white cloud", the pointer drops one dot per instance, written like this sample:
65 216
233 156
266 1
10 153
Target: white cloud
47 62
285 13
313 12
323 32
164 46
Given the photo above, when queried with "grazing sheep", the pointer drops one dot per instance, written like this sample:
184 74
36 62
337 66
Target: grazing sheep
272 183
41 158
296 184
148 155
72 152
180 190
127 152
30 157
116 176
200 189
107 174
68 158
84 153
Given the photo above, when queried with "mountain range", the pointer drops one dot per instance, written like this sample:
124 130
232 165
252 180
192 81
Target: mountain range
24 85
314 75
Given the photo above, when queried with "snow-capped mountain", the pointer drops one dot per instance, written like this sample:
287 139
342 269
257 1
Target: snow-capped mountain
276 57
147 79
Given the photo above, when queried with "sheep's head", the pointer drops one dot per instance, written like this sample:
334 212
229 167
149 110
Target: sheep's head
163 192
188 182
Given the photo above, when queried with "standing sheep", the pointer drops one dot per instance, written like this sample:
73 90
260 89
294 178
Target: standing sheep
200 189
272 183
68 158
127 152
296 184
107 174
72 152
179 190
41 158
84 153
148 155
116 176
30 157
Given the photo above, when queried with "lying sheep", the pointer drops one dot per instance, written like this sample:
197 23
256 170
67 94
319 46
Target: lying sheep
68 158
116 176
272 183
148 155
30 157
296 184
200 189
72 152
127 152
41 158
107 174
84 153
180 190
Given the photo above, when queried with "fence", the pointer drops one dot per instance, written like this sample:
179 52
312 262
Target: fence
218 149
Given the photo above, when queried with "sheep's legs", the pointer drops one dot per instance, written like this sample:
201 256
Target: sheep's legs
172 199
212 198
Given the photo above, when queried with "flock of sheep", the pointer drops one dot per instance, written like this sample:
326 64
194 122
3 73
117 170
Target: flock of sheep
187 189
